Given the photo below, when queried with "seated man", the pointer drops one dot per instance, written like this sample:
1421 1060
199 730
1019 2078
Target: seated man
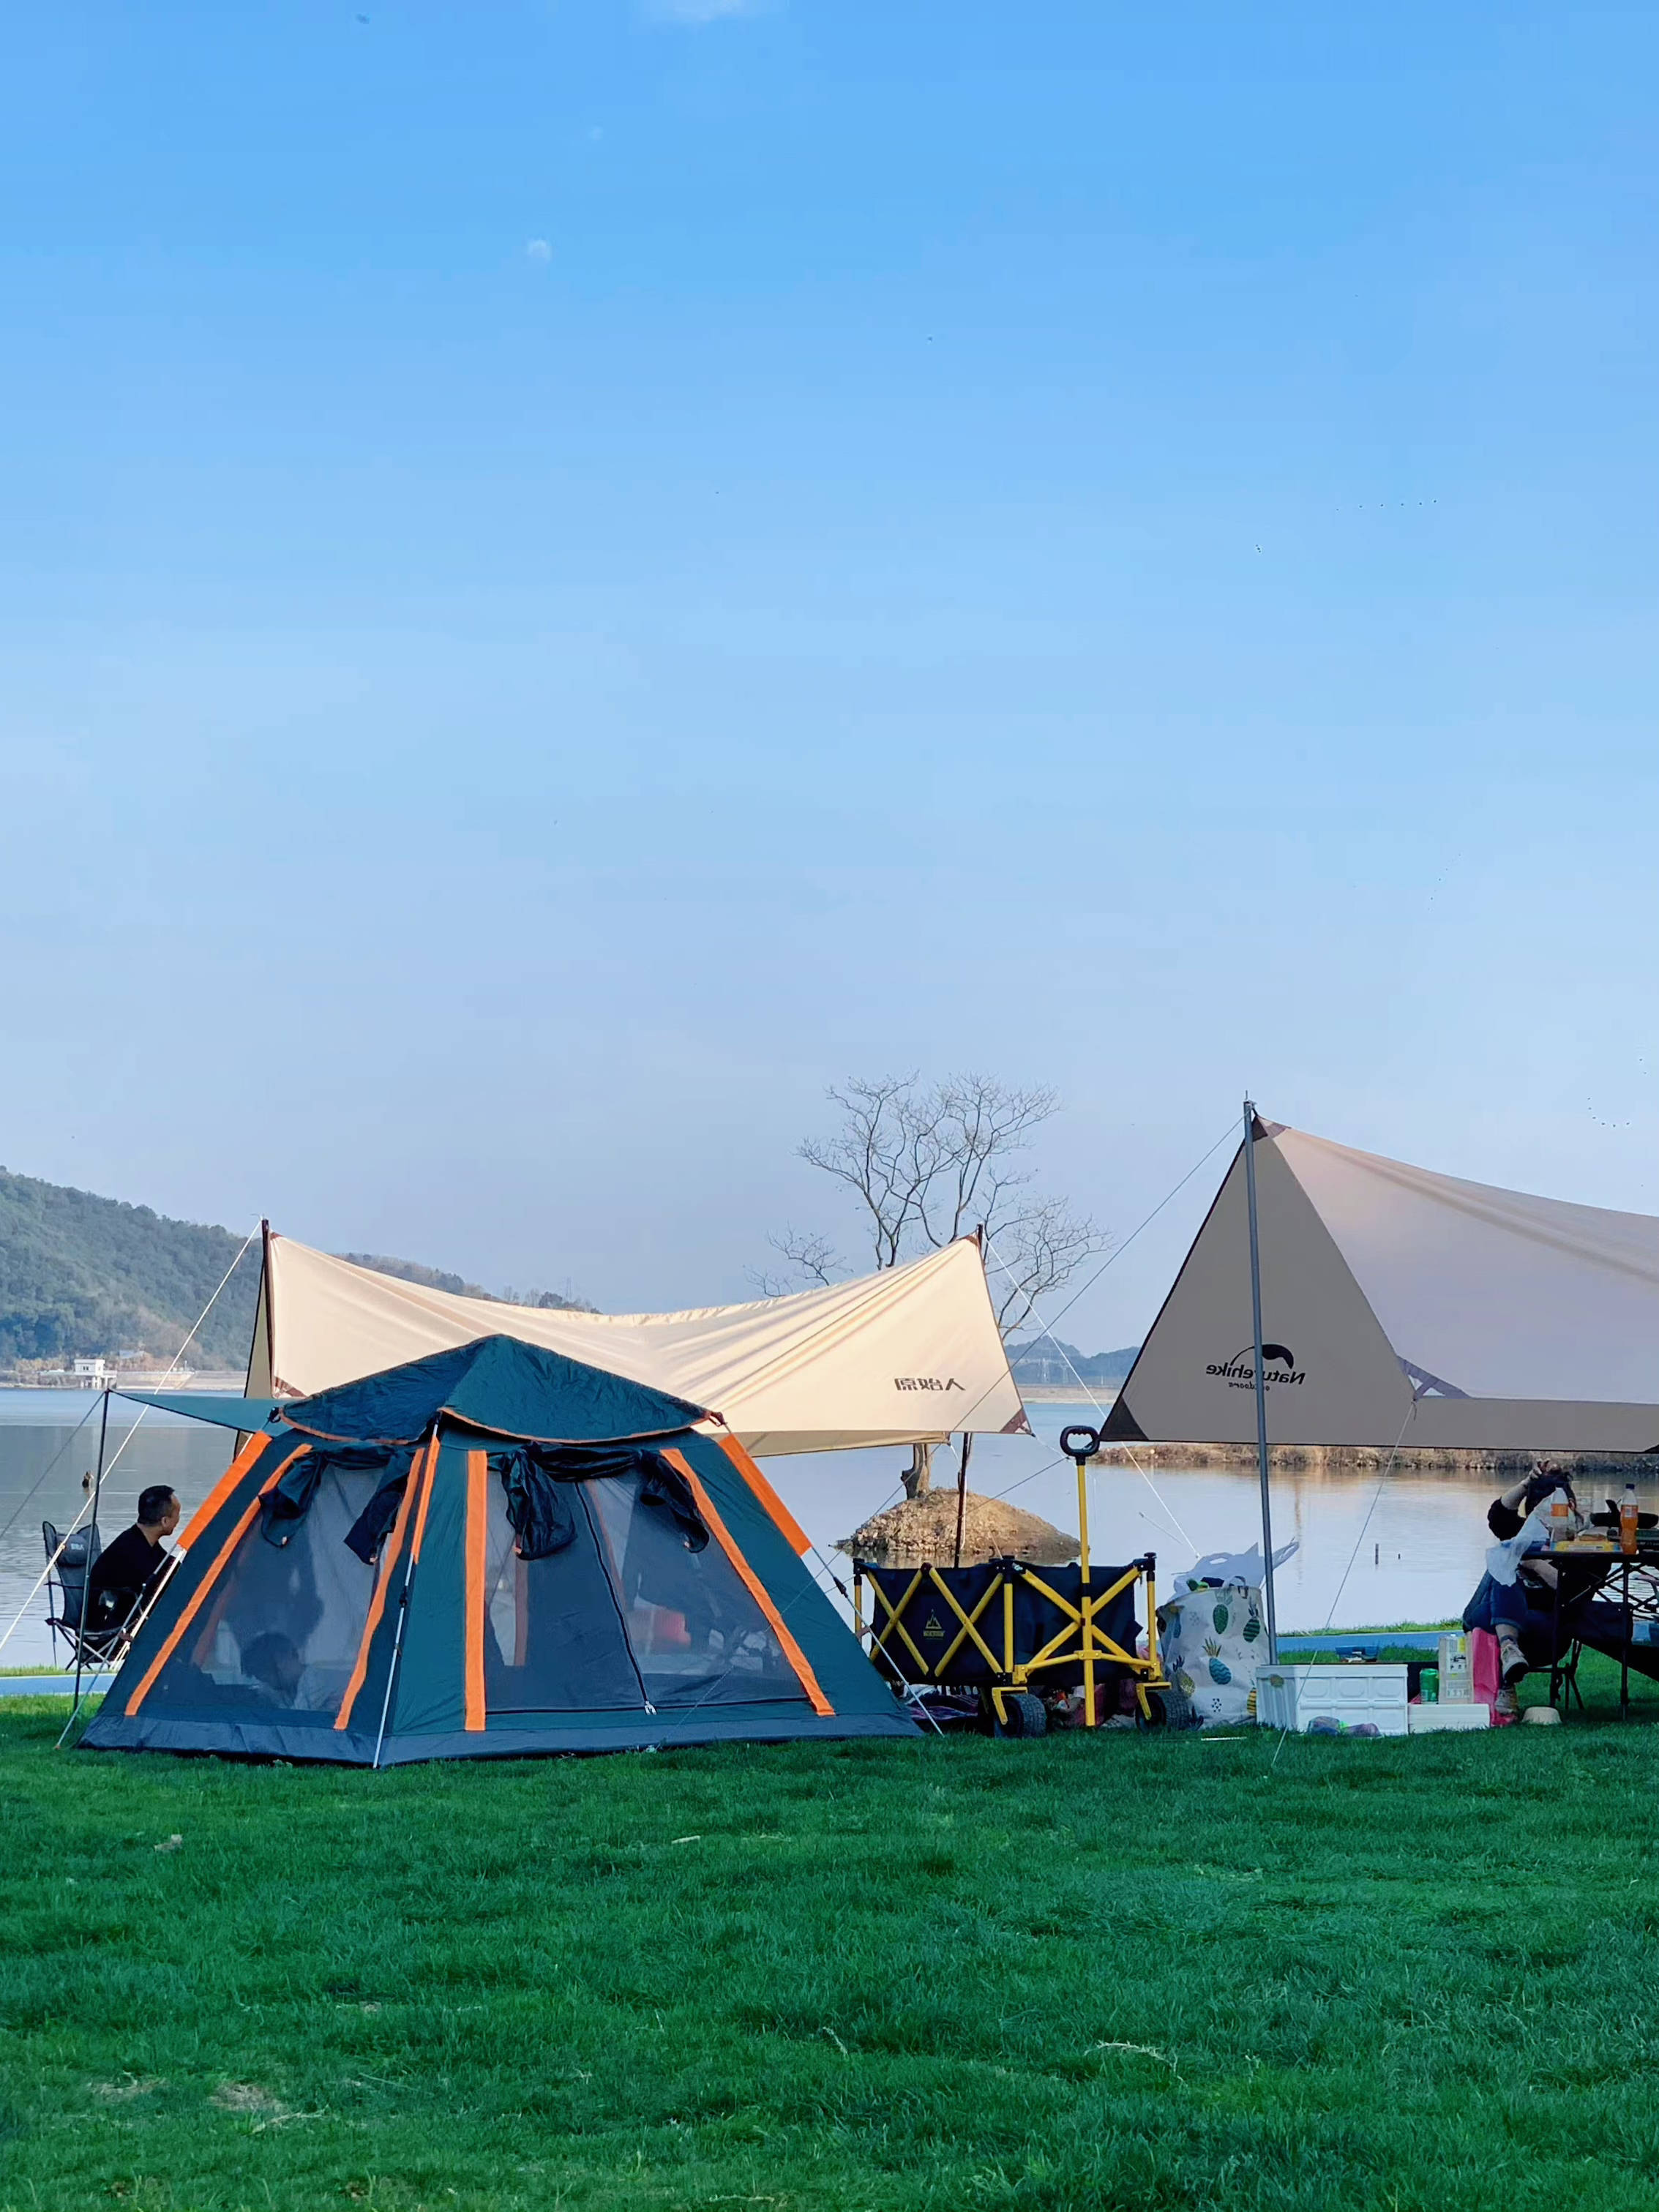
124 1575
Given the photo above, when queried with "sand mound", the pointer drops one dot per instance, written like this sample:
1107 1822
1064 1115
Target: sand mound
925 1529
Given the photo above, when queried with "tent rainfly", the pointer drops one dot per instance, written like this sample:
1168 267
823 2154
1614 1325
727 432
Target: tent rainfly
493 1550
909 1355
1403 1308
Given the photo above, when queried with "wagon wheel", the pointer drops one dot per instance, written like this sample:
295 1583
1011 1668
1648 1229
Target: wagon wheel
1027 1715
1165 1708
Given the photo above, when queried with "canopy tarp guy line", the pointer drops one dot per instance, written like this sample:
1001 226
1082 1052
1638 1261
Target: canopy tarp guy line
912 1354
1401 1306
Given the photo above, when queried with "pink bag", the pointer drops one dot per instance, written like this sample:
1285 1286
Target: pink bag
1486 1668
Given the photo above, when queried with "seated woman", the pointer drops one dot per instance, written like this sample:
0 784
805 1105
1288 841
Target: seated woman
1516 1597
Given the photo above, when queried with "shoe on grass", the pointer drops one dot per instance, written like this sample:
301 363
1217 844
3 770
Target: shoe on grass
1506 1704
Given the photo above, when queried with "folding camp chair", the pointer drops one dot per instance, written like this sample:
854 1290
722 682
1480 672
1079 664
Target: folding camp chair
1563 1681
70 1559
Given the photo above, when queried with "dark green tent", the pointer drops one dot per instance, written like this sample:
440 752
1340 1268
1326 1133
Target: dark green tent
493 1550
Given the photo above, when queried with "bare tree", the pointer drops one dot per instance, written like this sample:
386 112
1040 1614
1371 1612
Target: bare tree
926 1163
1034 1251
812 1257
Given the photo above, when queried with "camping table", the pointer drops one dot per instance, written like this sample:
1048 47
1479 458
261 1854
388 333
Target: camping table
1582 1571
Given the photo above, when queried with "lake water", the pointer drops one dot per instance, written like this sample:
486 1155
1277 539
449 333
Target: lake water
48 1442
1419 1554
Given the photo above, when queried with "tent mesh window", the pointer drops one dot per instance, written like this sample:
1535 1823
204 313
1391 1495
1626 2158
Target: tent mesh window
280 1631
698 1635
553 1637
642 1605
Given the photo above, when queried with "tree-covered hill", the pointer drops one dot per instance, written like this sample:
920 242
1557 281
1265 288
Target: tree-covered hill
82 1276
438 1278
85 1275
1046 1362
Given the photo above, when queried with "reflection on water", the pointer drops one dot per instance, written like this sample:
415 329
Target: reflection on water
1410 1549
48 1442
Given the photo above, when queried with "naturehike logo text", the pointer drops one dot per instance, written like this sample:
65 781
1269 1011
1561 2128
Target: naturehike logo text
924 1382
1239 1371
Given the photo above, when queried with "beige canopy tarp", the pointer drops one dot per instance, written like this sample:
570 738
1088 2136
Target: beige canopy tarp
909 1355
1401 1306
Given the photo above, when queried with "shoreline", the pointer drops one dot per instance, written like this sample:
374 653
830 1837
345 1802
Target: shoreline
1367 1459
211 1382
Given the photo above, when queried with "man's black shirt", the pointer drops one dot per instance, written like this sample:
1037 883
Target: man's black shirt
121 1575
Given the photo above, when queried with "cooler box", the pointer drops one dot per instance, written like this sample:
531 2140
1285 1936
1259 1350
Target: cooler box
1431 1720
1294 1697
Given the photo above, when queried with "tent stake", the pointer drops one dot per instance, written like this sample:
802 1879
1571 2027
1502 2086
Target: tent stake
1261 1388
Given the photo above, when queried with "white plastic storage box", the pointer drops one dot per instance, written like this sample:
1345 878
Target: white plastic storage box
1296 1697
1432 1720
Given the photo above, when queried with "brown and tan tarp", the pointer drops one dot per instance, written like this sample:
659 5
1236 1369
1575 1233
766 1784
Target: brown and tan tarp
1401 1306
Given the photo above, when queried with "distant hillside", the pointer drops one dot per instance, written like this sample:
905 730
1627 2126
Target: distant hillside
82 1276
1046 1361
435 1278
85 1275
411 1271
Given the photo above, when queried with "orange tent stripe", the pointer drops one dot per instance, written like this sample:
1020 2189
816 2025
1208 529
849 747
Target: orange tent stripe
221 1489
792 1532
382 1584
199 1597
752 1583
427 1489
477 1508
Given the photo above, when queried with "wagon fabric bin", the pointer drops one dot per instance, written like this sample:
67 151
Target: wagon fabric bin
972 1626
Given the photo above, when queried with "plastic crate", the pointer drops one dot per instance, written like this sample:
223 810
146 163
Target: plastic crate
1295 1697
1439 1720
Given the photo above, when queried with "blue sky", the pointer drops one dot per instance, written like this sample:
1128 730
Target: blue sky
577 573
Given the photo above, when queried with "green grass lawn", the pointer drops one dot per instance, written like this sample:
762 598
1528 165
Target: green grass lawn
1123 1971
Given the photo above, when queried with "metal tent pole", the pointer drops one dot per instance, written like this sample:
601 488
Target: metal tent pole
421 1472
85 1576
1260 1387
396 1653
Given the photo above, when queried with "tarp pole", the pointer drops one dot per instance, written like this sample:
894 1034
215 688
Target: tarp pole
962 1487
1261 1388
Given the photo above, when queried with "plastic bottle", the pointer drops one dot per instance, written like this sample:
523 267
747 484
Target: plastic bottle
1630 1521
1429 1686
1560 1519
